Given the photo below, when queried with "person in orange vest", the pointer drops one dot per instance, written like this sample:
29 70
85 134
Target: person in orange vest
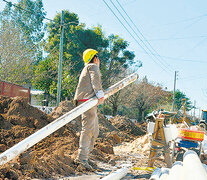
89 86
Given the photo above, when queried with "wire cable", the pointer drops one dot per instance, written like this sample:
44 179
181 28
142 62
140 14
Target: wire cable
185 20
177 38
167 66
131 34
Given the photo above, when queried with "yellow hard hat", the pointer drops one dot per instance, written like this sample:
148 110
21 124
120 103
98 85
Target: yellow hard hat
88 54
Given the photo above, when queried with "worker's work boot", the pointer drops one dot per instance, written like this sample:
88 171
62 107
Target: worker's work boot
84 163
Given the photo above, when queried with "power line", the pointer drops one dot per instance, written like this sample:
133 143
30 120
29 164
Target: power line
185 20
188 26
199 43
201 76
178 59
178 38
139 30
187 60
125 27
140 33
29 11
130 33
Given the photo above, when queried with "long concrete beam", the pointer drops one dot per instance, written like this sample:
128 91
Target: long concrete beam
61 121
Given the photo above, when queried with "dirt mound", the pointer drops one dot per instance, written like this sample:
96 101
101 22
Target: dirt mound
10 137
16 111
55 154
63 108
142 126
4 102
124 124
52 156
19 120
105 125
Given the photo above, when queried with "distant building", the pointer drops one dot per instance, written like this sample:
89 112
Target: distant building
14 90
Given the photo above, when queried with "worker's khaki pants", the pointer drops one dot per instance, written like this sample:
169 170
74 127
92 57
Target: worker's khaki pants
89 133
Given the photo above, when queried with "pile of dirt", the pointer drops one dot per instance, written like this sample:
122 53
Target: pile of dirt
16 111
56 153
143 126
63 108
125 125
18 120
105 125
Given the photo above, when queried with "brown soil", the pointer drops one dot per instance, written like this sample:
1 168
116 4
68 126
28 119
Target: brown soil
125 125
55 154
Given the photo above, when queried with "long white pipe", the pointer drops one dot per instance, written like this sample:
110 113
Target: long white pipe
205 167
156 174
176 172
117 174
164 176
61 121
164 173
192 167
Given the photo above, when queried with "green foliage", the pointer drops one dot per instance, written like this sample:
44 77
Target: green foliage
179 96
106 109
44 74
20 40
115 59
76 39
28 29
113 53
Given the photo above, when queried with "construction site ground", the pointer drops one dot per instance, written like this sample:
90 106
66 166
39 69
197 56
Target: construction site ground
120 142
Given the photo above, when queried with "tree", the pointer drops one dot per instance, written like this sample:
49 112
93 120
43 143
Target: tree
179 97
76 39
115 60
44 72
15 58
20 39
144 97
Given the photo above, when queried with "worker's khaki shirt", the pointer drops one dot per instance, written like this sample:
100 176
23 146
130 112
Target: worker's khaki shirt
89 82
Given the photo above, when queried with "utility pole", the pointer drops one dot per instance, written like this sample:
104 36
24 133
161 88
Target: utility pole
60 60
199 113
173 106
194 110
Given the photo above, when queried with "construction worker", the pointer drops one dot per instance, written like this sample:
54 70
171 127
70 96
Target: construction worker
89 85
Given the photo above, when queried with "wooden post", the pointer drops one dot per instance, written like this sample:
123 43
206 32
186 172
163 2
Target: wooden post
159 143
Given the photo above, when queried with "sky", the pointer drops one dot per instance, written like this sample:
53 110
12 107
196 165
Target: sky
176 34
